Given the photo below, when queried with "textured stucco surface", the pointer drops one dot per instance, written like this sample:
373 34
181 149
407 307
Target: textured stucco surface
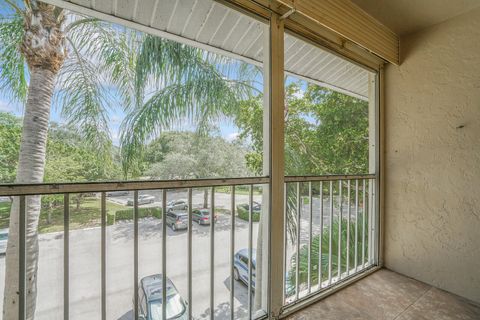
432 161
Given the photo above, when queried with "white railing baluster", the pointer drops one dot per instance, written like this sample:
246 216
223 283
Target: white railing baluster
330 229
356 225
339 253
250 249
232 253
135 254
285 242
189 249
297 252
66 256
364 218
310 233
103 249
348 227
164 253
320 240
22 281
212 252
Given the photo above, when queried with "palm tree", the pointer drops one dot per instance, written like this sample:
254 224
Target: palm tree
49 54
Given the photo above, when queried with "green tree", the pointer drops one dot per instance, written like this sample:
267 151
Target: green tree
40 47
326 132
10 132
187 155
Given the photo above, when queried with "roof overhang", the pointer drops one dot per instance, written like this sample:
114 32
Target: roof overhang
219 28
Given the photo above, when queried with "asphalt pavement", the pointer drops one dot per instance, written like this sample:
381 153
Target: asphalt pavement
85 264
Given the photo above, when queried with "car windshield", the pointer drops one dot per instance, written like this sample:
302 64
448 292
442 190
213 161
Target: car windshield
205 212
175 307
3 236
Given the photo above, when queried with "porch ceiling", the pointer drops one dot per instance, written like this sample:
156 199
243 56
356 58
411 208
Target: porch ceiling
216 27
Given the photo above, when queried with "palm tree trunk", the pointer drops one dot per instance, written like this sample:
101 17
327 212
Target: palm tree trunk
31 167
205 198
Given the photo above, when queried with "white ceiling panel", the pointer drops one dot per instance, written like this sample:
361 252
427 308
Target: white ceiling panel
222 29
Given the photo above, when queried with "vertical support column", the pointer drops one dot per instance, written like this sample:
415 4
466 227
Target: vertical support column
380 185
373 168
276 160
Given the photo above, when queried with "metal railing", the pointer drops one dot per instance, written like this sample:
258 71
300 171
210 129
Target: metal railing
329 233
329 237
23 192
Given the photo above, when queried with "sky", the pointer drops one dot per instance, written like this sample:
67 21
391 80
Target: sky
224 127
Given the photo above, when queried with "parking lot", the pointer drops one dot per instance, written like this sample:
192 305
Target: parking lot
85 264
85 272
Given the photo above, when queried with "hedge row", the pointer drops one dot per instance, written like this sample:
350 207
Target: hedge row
127 214
242 213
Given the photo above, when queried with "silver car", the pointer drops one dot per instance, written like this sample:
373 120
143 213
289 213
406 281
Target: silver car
3 241
142 199
177 220
177 205
150 300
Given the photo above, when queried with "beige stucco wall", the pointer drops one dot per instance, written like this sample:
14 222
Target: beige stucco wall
432 162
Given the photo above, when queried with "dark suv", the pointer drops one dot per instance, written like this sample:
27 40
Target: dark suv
150 300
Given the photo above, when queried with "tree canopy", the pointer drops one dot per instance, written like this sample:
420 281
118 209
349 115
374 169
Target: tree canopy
326 132
69 157
186 155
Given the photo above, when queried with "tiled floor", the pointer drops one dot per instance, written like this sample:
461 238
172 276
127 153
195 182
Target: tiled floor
386 295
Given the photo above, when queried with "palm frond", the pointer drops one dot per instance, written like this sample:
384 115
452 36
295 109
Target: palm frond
84 100
13 73
206 96
188 84
113 50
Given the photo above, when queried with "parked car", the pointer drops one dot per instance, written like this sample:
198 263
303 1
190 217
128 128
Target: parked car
177 220
177 205
240 270
142 199
150 300
118 193
240 266
3 241
202 216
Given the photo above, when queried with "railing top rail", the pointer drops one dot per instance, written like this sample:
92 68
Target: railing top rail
83 187
328 177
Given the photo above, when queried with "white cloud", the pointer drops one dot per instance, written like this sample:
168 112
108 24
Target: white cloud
232 136
299 94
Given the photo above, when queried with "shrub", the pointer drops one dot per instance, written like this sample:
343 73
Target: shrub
110 219
303 254
242 213
127 214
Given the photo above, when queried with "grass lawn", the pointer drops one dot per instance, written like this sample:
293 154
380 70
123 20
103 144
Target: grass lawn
88 215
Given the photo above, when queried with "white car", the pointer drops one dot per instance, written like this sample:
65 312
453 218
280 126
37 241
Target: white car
3 240
142 199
